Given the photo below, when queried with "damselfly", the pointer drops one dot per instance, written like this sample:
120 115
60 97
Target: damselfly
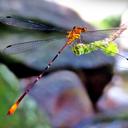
73 37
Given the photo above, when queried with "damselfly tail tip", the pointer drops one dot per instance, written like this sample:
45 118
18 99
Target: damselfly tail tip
12 109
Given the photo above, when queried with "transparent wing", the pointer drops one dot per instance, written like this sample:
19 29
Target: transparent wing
89 36
27 24
94 35
26 46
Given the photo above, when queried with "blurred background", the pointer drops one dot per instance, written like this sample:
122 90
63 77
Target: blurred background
78 91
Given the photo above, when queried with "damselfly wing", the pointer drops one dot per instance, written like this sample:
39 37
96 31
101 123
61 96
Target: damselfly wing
28 24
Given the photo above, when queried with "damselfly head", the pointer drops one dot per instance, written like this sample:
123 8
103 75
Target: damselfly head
74 27
78 28
84 29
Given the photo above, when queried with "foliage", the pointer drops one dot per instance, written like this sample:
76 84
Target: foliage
108 22
27 116
109 49
111 21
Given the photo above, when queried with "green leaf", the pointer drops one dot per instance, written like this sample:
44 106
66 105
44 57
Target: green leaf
110 49
78 49
25 116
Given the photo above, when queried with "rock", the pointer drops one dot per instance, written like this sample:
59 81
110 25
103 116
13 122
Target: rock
115 96
47 11
62 97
